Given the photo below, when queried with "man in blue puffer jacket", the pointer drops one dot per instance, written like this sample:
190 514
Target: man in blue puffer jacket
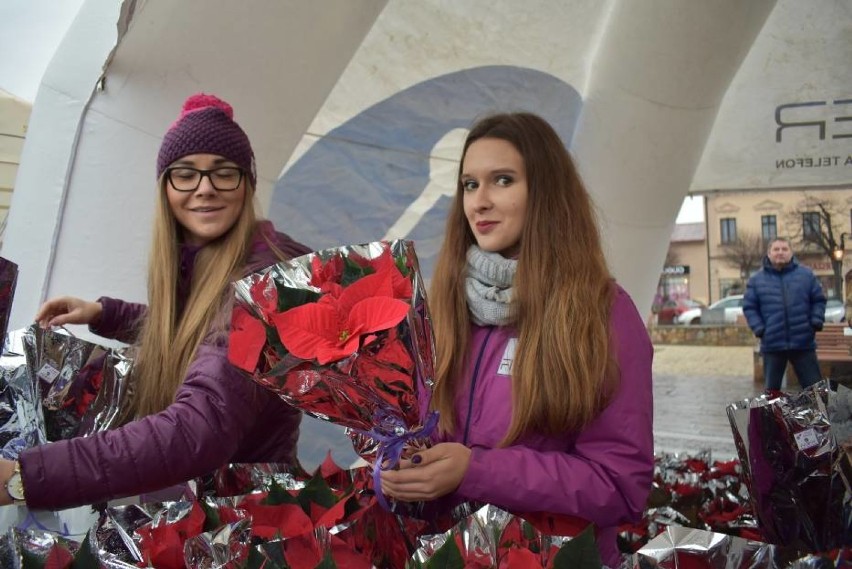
785 306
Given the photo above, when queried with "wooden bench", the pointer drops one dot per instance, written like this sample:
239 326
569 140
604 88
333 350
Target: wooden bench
834 352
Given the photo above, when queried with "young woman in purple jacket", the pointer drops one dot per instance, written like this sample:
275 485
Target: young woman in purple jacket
192 410
543 376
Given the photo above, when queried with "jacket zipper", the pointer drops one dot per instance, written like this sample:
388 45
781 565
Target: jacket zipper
473 385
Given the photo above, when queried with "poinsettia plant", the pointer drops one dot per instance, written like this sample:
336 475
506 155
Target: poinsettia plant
494 538
344 335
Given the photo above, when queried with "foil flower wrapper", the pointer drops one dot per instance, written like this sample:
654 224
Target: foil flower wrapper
20 549
114 390
21 422
56 359
238 479
56 387
691 490
8 281
344 335
793 467
222 548
492 537
680 547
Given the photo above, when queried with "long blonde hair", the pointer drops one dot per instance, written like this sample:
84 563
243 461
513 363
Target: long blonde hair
564 371
168 343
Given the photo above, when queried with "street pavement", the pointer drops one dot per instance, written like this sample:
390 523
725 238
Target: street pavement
690 416
692 387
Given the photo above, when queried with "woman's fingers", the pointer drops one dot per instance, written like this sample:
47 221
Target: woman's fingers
67 310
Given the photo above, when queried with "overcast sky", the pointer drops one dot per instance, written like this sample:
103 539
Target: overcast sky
30 31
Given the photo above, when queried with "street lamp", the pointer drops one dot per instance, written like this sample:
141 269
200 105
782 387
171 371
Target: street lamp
838 252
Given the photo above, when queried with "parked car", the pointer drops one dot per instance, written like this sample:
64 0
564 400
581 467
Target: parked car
835 310
731 306
671 309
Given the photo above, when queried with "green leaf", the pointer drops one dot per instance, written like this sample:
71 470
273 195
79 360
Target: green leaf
316 491
402 266
267 556
327 562
352 272
30 560
85 558
289 297
579 553
448 556
211 517
274 340
527 530
279 495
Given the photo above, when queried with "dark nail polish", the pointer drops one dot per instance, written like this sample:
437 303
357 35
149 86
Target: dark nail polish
416 459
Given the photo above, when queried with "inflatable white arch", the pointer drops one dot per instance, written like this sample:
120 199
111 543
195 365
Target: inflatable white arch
636 86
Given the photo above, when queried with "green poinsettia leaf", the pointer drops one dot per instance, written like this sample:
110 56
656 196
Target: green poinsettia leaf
274 340
278 495
267 556
211 517
30 560
327 562
289 297
402 266
352 272
448 556
579 553
85 558
528 531
316 491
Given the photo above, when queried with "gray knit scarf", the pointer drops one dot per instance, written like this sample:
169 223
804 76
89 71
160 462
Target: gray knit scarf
489 286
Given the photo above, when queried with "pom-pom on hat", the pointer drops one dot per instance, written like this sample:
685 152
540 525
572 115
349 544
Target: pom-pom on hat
206 126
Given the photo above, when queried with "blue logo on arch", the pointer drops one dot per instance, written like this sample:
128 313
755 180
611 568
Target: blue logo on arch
352 185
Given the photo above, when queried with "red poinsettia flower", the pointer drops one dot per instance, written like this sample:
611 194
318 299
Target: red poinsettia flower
281 520
328 272
331 329
401 285
265 295
58 558
246 340
162 546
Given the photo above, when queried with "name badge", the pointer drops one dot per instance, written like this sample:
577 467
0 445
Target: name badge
508 357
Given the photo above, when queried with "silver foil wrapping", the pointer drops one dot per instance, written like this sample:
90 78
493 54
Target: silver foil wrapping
684 547
21 425
793 467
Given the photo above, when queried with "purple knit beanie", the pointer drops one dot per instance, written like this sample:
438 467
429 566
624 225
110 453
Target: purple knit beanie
206 126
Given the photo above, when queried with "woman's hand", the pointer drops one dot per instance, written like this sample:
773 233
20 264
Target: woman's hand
68 310
439 471
7 467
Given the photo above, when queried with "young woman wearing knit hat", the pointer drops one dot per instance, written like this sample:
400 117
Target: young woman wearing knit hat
543 375
192 410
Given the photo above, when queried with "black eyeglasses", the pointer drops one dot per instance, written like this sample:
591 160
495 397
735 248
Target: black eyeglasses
186 179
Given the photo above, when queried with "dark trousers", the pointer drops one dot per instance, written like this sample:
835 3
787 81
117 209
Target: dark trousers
804 362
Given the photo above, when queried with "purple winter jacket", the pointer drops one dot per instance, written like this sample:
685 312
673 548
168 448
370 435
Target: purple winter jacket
218 416
602 474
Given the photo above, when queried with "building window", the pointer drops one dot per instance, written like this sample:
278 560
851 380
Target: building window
811 229
728 226
727 287
768 228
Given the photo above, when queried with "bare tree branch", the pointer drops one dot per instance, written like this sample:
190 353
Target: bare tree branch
824 239
745 254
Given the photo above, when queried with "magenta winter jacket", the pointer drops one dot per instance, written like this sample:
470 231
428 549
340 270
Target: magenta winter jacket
602 474
218 416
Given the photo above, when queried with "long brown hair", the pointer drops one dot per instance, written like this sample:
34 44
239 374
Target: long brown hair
168 343
563 372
